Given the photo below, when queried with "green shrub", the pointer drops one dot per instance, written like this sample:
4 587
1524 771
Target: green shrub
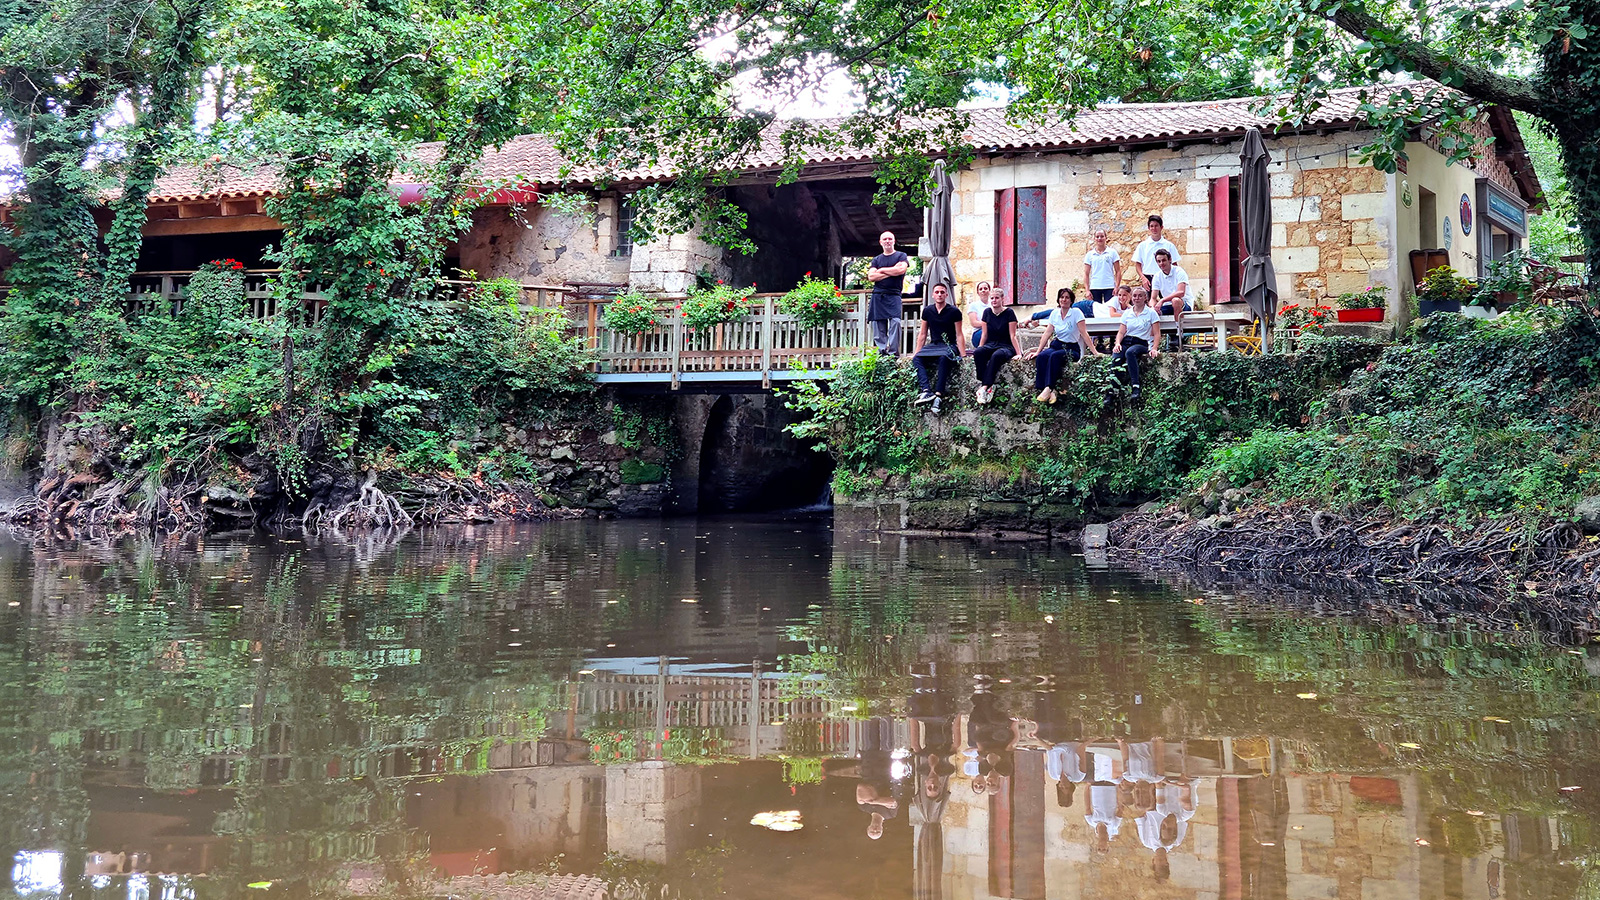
813 302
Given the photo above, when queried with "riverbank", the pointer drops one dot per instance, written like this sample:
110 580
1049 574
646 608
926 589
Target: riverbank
1463 457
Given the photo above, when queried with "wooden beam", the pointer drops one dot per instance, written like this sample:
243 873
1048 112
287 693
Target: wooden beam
198 210
210 225
242 206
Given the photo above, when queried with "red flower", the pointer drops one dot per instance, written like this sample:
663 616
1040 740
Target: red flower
808 274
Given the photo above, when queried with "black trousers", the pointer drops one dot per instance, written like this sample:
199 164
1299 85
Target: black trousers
939 357
1051 362
990 359
1132 349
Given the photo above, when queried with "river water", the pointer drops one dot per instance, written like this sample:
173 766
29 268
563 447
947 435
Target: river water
759 708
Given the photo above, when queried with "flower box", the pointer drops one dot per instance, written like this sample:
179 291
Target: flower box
1361 315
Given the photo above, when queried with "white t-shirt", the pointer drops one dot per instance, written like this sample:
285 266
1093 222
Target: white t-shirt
1145 254
1102 268
1065 761
1140 323
1141 764
1108 309
1103 797
975 311
1065 325
1162 284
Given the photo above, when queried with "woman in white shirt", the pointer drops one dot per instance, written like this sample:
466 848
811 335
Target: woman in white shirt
1065 337
1102 270
1139 335
975 314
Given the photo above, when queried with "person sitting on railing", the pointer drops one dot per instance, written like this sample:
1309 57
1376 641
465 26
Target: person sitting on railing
1140 334
1066 335
940 345
997 346
885 307
1169 288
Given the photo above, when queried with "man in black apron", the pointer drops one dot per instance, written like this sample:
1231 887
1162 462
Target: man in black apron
888 277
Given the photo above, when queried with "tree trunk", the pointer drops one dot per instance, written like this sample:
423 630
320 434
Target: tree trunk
1567 77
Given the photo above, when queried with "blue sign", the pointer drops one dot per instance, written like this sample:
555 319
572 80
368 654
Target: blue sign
1466 214
1508 212
1447 235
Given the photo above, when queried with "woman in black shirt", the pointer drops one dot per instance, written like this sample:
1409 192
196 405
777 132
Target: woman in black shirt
999 345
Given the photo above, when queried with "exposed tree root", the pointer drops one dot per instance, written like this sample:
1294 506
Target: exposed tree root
1549 577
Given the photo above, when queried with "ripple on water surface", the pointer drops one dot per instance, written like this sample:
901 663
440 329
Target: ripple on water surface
758 708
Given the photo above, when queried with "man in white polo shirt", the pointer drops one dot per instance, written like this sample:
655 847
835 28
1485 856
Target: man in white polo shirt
1169 290
1144 255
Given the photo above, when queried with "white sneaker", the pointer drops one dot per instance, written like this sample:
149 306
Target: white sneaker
980 394
923 398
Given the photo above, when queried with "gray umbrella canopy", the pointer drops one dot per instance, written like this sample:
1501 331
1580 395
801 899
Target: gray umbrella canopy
938 270
1260 280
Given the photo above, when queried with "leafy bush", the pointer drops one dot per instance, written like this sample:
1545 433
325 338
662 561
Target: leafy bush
1477 418
631 314
813 302
709 307
1099 447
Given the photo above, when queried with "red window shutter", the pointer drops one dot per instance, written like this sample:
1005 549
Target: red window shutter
1005 241
1030 286
1221 242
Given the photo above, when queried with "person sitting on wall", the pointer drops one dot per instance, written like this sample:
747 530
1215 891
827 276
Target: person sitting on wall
1102 269
975 311
940 344
997 344
1067 336
1085 306
885 307
1170 289
1144 255
1139 335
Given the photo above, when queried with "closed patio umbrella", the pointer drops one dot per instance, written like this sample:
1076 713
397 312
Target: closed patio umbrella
938 270
1260 281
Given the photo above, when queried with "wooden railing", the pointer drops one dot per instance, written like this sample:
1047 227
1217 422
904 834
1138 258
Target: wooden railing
765 346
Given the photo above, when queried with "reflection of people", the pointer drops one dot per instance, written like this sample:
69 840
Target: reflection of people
875 792
1102 817
992 734
1163 827
888 276
933 738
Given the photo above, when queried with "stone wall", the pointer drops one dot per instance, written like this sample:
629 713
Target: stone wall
1332 215
537 244
669 265
588 465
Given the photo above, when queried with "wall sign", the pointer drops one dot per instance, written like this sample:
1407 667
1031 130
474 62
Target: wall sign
1405 193
1447 235
1466 214
1508 212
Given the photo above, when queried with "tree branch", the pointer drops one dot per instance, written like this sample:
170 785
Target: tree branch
1473 80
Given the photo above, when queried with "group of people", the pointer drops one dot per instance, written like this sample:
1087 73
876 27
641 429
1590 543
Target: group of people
1161 288
1123 779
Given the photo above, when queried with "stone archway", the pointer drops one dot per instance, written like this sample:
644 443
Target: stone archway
737 457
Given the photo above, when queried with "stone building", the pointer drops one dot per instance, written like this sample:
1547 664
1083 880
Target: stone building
1024 207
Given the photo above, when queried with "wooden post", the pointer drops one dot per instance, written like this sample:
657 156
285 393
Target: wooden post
861 320
766 344
594 336
677 346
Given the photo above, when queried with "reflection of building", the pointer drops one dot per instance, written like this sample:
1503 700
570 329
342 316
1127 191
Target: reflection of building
1266 834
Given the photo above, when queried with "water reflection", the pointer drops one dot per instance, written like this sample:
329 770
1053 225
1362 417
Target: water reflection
929 719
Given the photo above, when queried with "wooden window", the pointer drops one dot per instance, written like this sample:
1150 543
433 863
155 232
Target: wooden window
625 216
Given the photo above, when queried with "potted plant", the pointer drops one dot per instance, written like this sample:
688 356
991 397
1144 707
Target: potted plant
1304 319
630 314
812 303
1506 283
1364 306
1443 290
709 307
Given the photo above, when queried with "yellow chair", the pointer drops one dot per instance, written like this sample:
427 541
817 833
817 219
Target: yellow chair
1247 340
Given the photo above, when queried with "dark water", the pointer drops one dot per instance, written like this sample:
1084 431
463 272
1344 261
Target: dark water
622 699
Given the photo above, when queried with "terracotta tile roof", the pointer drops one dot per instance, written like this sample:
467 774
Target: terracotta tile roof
534 159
